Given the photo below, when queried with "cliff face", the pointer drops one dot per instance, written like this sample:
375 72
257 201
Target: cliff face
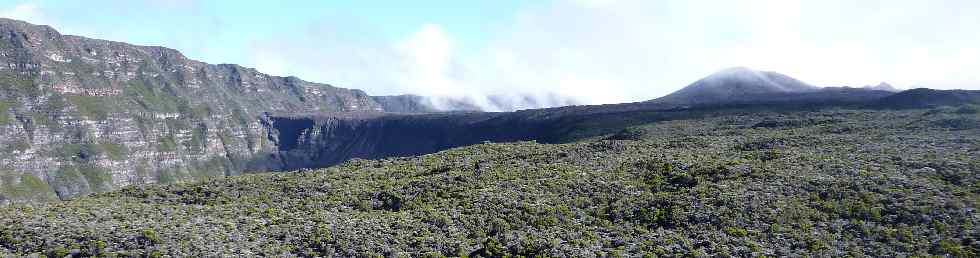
320 141
314 141
81 115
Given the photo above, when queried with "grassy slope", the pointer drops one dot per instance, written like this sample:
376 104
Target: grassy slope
825 183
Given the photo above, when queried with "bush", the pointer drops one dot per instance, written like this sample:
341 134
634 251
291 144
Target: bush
733 231
631 134
968 109
958 123
150 237
954 249
58 251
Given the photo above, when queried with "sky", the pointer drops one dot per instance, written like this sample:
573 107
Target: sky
594 51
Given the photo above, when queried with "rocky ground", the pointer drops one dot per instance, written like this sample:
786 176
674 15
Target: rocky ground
828 183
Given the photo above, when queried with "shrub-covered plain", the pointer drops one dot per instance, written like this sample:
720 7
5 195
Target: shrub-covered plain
823 183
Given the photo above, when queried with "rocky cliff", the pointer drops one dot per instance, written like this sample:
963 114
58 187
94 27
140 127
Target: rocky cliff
81 115
320 140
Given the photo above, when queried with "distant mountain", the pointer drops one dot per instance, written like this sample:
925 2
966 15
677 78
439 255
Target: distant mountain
925 98
736 84
742 85
882 86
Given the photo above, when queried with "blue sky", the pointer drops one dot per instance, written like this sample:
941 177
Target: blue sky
598 51
221 30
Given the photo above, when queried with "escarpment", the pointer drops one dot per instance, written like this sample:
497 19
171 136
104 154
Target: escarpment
81 115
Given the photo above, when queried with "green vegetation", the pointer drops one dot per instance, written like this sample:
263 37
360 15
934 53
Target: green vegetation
4 112
56 103
85 152
99 180
199 138
824 183
93 107
166 143
115 151
217 166
168 176
68 180
17 85
152 98
24 187
79 152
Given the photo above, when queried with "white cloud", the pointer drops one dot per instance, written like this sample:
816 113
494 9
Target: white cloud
607 51
650 48
429 53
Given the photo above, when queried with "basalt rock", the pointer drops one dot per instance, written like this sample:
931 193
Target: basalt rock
80 115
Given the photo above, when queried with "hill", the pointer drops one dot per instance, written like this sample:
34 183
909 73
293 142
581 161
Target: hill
735 84
742 85
927 98
806 183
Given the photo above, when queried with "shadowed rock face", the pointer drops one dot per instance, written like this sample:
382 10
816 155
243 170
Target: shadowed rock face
313 141
321 141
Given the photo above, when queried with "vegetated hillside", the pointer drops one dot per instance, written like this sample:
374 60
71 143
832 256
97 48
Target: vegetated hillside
741 85
835 182
927 98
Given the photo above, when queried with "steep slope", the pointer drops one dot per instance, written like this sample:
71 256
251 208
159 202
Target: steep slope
82 115
734 85
321 140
